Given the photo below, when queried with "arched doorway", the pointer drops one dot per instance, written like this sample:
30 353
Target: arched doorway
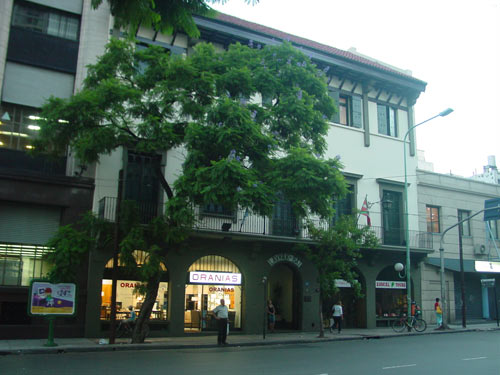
210 279
284 289
354 307
127 294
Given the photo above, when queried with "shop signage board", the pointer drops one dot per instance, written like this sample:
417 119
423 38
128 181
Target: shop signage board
490 212
390 284
341 283
488 283
484 266
52 299
283 257
206 277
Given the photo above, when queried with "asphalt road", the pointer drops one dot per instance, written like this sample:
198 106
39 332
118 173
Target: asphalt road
471 353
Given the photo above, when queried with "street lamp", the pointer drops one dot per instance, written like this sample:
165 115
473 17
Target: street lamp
446 112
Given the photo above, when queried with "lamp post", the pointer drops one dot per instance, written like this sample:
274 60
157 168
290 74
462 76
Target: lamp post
446 112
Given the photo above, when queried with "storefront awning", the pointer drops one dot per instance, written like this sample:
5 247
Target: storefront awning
453 264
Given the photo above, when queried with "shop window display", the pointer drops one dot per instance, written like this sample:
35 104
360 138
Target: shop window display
126 296
126 293
215 278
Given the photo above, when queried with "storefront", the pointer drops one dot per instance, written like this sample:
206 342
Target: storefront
128 295
390 296
210 279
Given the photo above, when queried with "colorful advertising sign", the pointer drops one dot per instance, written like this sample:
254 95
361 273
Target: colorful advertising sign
52 299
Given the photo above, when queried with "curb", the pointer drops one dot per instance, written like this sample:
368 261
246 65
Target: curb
153 346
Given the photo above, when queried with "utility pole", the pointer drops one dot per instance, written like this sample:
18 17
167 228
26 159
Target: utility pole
462 276
116 250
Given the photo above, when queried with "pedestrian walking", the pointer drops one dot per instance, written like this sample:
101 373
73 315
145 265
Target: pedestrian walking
221 313
439 313
337 315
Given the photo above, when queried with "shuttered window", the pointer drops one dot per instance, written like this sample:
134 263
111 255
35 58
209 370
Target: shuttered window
350 109
386 118
28 224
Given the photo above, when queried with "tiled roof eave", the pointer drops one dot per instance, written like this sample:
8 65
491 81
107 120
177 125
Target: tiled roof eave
260 34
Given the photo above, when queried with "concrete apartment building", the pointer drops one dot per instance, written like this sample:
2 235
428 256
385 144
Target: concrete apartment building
443 200
376 110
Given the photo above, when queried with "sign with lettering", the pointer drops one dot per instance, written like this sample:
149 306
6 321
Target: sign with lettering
390 284
484 266
205 277
488 283
52 299
284 258
341 283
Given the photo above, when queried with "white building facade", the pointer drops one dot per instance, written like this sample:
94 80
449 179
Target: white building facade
375 111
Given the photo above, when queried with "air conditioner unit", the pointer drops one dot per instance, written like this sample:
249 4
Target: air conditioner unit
479 249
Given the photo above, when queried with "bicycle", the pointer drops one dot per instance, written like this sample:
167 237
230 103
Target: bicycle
418 324
126 329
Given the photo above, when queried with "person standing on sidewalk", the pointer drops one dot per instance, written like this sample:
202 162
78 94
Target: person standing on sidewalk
439 313
338 315
271 315
221 313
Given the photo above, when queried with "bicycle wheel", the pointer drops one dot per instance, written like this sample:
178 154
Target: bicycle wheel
419 325
399 325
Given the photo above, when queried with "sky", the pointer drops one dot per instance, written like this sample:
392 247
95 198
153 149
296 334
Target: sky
453 45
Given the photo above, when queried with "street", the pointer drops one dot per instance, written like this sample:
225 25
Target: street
458 353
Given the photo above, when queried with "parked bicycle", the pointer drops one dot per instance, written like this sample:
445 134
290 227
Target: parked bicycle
126 329
418 324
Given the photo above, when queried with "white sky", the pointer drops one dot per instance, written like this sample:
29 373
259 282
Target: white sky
453 45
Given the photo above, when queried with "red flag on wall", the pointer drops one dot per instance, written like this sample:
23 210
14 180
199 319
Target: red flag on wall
365 212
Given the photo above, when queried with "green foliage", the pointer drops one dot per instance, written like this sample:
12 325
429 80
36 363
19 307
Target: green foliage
166 16
240 153
336 252
71 245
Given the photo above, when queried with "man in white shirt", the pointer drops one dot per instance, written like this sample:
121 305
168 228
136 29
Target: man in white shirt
338 315
221 313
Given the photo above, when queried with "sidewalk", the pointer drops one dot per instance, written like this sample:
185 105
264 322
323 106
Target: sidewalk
66 345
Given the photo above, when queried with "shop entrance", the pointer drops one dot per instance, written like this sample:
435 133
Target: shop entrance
390 297
354 308
284 289
211 279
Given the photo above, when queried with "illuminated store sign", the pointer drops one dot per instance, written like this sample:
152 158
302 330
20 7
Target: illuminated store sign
202 277
483 266
390 284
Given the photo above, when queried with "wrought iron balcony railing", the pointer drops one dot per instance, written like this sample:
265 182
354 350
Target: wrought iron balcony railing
244 222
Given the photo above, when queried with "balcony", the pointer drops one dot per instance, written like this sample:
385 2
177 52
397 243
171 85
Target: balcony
107 210
247 223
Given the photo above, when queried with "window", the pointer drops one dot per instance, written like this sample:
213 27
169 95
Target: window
465 226
45 20
20 263
432 219
350 109
217 210
392 218
18 126
387 123
344 206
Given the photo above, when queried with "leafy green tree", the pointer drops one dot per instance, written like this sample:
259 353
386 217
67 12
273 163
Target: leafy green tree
240 153
166 16
335 254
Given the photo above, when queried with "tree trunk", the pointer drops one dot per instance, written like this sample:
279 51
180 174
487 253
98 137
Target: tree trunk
321 329
139 334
